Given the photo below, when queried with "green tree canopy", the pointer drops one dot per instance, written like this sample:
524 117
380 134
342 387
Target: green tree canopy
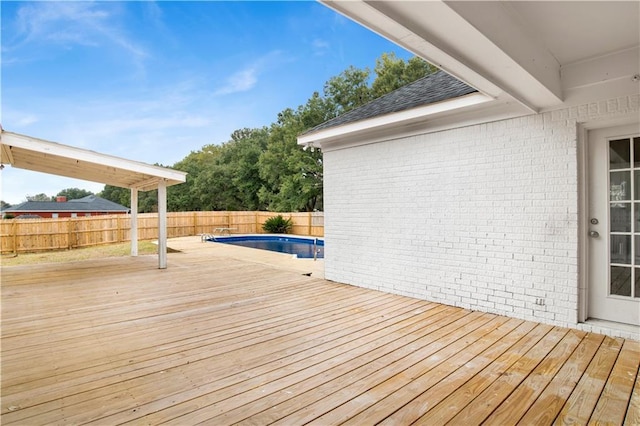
74 193
147 200
116 194
348 90
393 73
185 197
40 197
231 180
293 175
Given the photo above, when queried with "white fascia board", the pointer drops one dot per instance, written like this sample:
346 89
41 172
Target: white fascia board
415 114
485 58
65 151
484 113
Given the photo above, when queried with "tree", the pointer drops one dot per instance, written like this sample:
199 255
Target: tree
393 73
233 180
74 193
185 197
116 194
40 197
293 175
4 205
348 90
147 200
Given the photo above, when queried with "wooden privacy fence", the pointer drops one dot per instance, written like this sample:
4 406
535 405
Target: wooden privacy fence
31 235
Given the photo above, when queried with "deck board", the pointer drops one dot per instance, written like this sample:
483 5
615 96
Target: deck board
225 340
583 399
612 404
512 408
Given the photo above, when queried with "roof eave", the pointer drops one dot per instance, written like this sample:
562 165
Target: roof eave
423 114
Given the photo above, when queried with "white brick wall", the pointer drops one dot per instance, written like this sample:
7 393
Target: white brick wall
483 217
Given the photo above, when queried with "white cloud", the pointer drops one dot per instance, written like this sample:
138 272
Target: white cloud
241 81
320 47
246 78
71 23
26 120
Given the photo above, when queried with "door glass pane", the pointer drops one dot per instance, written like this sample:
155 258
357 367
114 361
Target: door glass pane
636 152
637 248
620 281
619 154
621 217
621 249
637 284
620 186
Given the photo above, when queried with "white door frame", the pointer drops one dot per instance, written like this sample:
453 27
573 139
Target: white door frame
582 142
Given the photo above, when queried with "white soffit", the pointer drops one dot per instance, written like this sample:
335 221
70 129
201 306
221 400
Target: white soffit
43 156
535 52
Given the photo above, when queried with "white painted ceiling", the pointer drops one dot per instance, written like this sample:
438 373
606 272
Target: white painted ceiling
574 31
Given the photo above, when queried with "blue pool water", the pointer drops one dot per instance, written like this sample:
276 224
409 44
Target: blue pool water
302 247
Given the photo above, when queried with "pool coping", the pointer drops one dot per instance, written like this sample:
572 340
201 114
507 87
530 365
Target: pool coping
311 267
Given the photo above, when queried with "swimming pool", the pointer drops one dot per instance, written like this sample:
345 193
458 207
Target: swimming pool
301 247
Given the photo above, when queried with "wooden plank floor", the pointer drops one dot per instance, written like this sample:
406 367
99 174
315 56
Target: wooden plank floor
217 340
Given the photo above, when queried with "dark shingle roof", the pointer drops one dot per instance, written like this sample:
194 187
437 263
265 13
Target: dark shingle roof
90 203
435 87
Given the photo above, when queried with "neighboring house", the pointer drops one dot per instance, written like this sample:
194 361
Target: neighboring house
86 206
513 188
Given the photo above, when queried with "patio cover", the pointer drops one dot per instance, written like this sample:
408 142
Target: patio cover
533 55
39 155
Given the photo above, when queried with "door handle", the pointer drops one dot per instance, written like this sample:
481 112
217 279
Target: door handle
594 234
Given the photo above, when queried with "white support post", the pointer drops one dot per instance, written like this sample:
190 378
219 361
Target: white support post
134 222
162 224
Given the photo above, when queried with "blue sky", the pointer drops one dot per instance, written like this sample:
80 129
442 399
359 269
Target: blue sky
153 81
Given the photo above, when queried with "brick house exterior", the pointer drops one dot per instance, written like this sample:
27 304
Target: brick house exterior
483 217
513 188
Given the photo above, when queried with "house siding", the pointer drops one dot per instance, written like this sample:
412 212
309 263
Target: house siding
483 217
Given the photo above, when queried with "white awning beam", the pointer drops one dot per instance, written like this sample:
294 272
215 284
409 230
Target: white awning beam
39 155
26 152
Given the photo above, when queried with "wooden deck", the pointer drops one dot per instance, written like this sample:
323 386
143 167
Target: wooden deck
220 340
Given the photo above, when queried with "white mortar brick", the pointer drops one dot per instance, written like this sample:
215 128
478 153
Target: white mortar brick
484 217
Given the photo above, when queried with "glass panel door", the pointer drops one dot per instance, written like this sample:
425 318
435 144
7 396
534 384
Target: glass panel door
624 218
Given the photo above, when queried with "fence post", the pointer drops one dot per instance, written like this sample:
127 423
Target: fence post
14 236
309 222
195 223
69 245
256 225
